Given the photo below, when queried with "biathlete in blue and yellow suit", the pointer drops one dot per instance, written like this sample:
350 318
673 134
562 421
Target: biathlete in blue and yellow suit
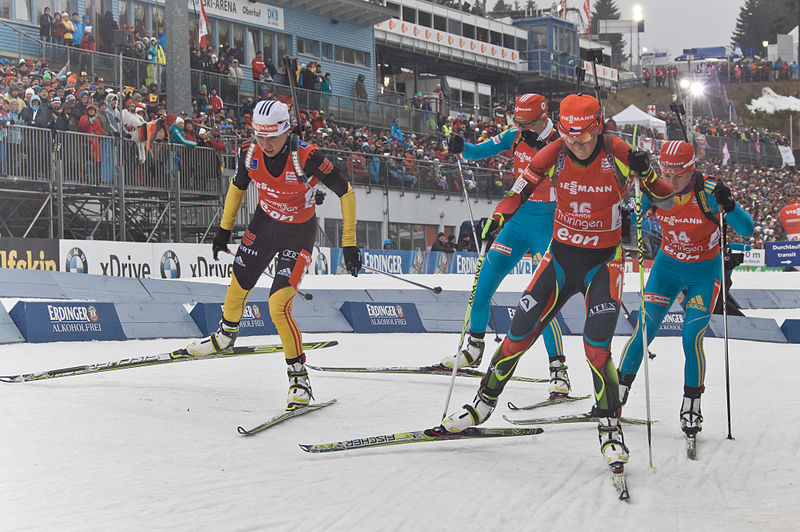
689 259
531 229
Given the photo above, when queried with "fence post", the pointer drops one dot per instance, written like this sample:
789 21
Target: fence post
58 163
178 164
121 197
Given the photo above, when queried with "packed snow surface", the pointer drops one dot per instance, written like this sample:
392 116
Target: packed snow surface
156 448
771 102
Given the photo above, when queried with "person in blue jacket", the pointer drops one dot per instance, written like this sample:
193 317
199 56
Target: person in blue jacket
530 229
689 259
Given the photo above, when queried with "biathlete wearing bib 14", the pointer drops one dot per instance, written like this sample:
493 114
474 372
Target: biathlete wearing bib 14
687 260
584 256
529 230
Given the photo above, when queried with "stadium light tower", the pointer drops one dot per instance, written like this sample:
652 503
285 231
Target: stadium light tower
638 18
765 44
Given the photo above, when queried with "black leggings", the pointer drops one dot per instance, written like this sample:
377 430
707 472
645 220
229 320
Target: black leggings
563 272
264 239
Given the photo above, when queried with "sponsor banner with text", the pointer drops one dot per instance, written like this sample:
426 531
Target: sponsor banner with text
255 320
53 321
374 317
29 253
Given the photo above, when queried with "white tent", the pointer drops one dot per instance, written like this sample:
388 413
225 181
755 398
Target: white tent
636 117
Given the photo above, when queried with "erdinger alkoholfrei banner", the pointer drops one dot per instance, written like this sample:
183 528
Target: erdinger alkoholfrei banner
418 261
375 317
52 321
255 321
790 218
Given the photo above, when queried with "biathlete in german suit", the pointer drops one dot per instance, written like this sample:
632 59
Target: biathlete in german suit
590 171
689 259
529 230
284 226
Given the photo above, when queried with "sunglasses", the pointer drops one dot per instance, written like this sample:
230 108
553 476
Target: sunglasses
581 138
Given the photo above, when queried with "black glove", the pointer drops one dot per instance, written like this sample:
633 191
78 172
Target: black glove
491 226
221 240
639 162
352 259
319 196
723 196
530 137
455 144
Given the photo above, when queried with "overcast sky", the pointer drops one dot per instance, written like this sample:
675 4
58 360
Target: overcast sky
675 24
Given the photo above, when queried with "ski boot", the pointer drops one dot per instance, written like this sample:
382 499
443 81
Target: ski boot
612 443
221 339
691 417
470 356
470 415
559 380
299 385
625 383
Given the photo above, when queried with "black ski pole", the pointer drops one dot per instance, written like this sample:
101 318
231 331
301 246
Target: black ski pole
434 289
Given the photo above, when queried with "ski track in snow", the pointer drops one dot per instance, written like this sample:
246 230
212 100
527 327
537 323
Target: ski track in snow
156 448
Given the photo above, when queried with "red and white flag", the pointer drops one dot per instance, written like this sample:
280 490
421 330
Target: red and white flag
726 155
202 26
587 11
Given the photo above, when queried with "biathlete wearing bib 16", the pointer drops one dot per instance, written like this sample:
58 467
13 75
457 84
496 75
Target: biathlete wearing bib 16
689 259
529 230
590 172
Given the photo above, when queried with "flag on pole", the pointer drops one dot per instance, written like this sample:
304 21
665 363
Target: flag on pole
588 13
202 26
726 155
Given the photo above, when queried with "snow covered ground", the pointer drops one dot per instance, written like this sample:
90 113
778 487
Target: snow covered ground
157 449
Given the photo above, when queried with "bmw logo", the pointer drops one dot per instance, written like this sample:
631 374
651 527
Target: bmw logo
76 261
170 265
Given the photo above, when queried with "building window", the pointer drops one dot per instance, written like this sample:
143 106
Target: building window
194 41
238 42
538 36
224 37
140 19
308 47
123 16
350 56
24 12
425 19
453 26
5 9
327 50
157 16
409 14
281 49
368 234
482 34
468 30
412 236
508 41
268 45
496 38
253 44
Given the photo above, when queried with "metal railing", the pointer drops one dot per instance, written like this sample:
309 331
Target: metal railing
740 151
76 168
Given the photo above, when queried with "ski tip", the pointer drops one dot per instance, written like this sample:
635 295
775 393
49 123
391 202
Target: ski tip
306 447
243 431
512 406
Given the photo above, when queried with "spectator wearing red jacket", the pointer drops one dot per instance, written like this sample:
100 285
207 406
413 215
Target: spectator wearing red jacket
90 124
257 64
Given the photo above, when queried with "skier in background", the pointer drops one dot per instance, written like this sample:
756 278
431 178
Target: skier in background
687 260
529 230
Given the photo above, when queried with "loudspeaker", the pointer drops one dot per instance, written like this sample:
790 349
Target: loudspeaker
123 38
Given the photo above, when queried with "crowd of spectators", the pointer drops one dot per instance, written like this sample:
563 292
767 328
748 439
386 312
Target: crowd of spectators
74 101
